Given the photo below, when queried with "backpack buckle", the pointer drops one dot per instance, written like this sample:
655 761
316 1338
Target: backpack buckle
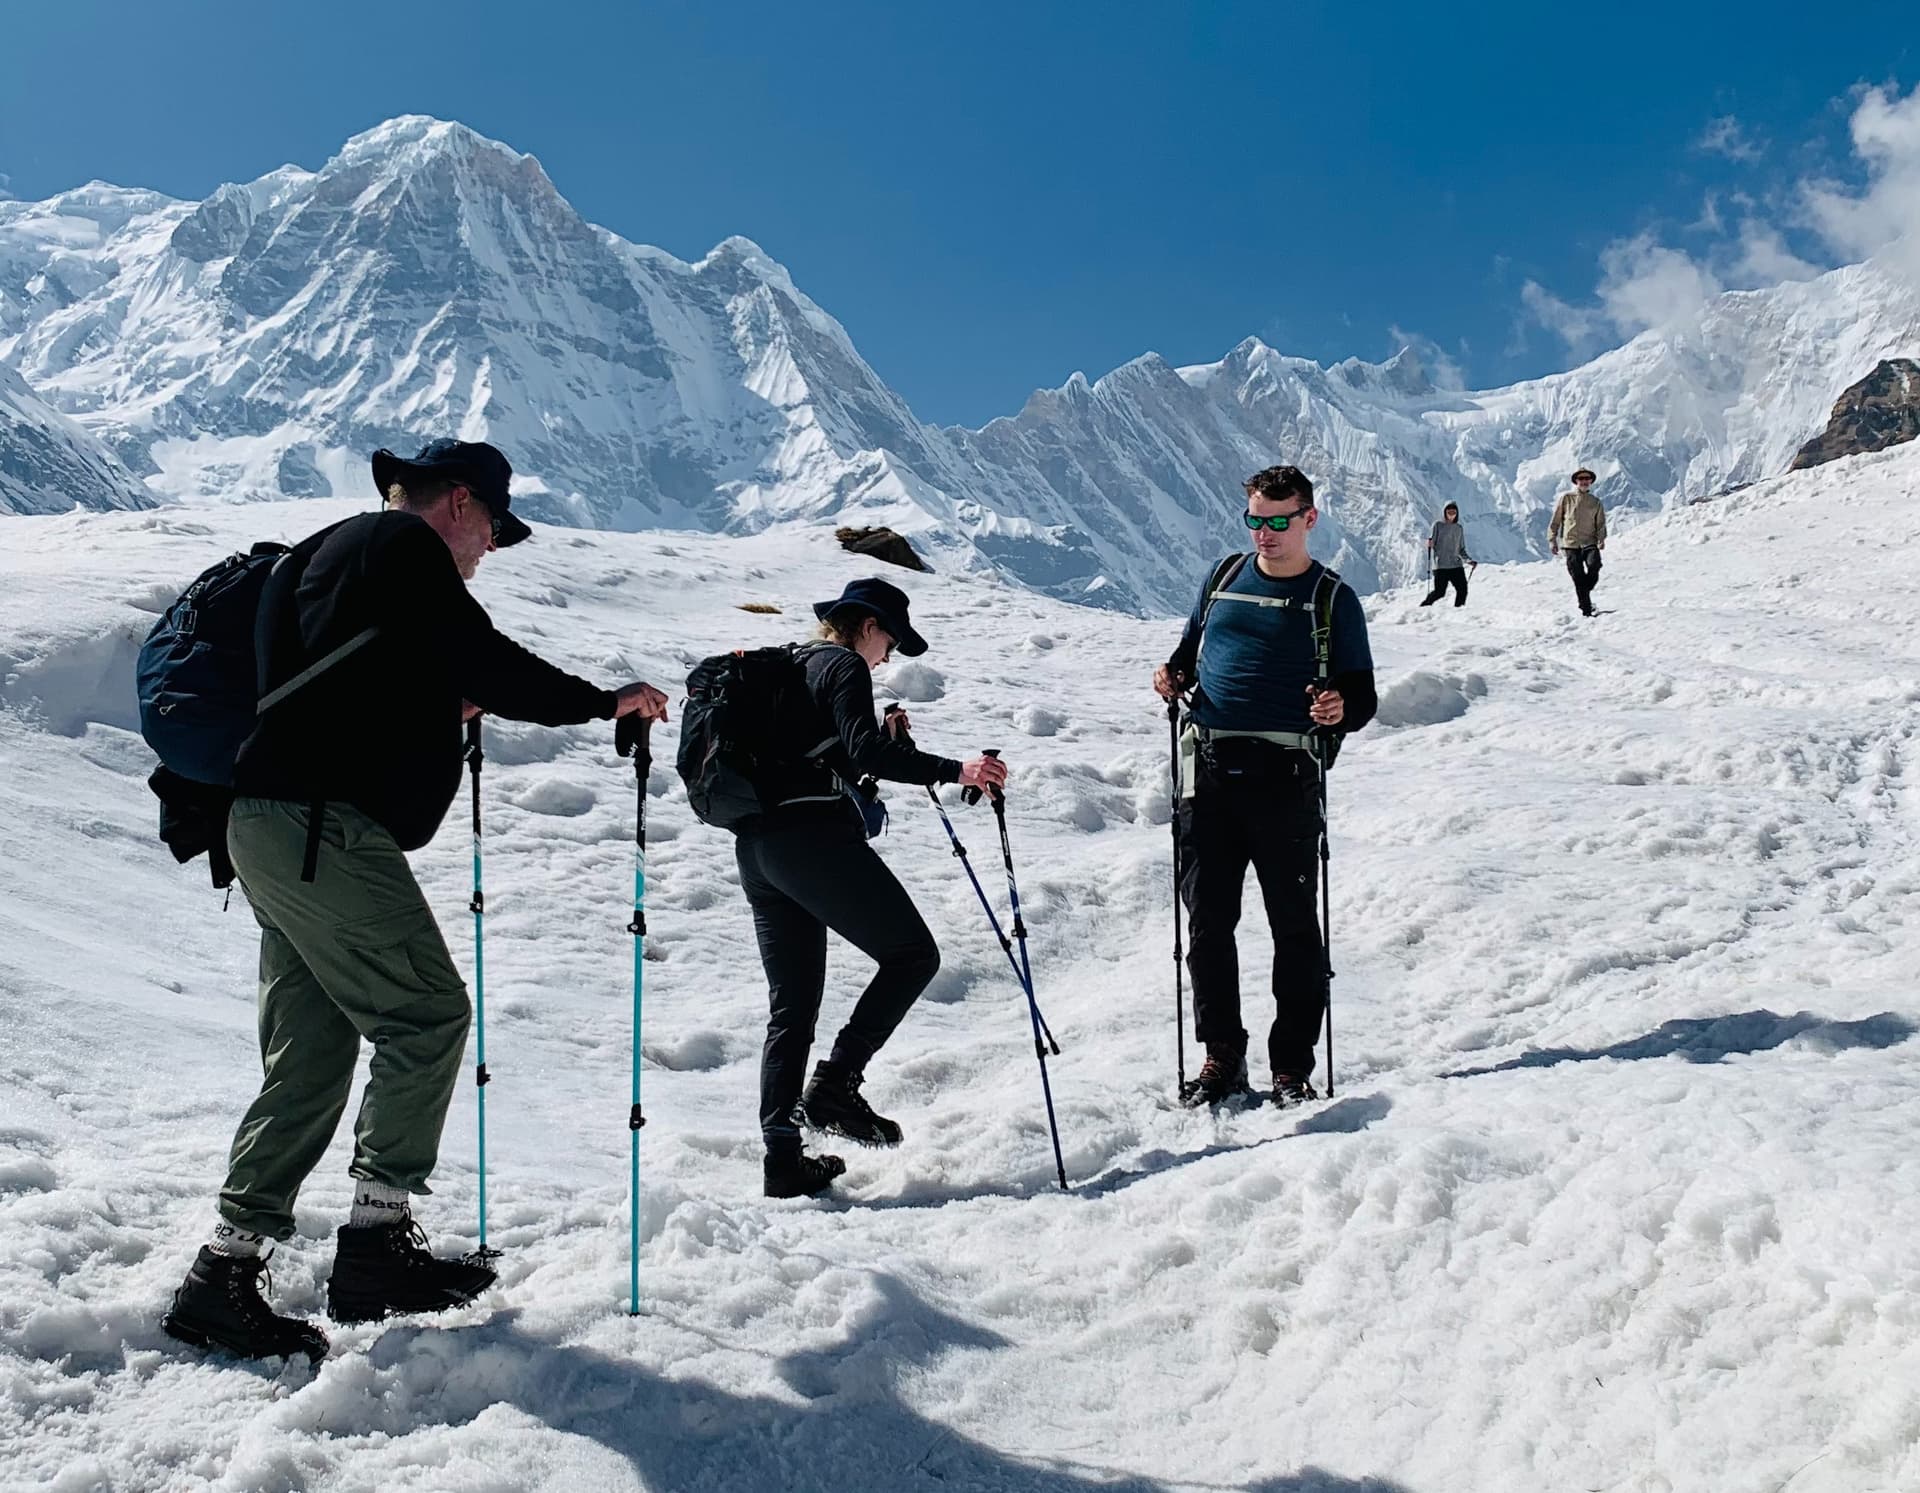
187 620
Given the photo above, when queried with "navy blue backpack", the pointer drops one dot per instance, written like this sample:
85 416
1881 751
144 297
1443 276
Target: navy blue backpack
198 674
198 680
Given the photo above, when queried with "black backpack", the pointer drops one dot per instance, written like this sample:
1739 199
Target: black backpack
738 733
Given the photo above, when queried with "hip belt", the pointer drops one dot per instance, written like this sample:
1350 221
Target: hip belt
1195 738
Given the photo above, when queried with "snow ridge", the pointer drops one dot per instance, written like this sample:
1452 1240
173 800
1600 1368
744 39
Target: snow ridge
49 463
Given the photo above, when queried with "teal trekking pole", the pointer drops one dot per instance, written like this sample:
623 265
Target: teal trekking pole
631 739
478 906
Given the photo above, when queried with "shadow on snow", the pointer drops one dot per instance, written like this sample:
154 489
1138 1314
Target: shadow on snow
846 1425
1342 1117
1708 1039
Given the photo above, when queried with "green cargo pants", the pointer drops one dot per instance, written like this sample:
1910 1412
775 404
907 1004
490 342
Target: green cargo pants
354 953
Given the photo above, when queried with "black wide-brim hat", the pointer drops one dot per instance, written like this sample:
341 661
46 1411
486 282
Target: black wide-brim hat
887 604
1586 472
480 468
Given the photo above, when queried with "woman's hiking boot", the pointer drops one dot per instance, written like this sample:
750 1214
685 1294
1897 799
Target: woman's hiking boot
833 1103
794 1174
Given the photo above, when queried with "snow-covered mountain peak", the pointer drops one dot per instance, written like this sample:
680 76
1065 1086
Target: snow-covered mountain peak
1404 375
428 280
409 139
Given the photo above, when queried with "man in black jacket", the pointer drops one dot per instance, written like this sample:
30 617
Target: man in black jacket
333 787
1277 656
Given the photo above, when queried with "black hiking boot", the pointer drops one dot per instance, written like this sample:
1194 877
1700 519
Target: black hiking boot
794 1174
832 1103
219 1305
1289 1089
1223 1076
382 1270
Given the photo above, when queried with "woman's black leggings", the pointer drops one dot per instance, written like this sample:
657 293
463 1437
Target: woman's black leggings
803 875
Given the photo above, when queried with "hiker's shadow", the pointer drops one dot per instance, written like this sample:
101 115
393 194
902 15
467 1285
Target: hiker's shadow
845 1427
1708 1039
1342 1117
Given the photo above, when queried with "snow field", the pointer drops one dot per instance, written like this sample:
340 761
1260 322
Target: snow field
1616 1191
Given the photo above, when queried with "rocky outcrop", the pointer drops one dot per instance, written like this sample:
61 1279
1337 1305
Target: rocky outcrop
1882 410
882 544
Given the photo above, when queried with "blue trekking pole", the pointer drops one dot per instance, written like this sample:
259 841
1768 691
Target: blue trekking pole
478 906
631 738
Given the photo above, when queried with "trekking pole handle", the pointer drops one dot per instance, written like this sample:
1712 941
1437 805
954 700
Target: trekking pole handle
632 737
971 795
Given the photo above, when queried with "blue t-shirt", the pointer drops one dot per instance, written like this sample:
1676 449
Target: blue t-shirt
1256 661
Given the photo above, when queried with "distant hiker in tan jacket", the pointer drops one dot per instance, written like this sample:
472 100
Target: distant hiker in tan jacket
1579 526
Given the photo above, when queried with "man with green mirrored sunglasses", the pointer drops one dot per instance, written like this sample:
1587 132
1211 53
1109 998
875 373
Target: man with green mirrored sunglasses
1277 659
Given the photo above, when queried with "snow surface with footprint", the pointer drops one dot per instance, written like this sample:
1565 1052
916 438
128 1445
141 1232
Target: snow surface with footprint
1619 1189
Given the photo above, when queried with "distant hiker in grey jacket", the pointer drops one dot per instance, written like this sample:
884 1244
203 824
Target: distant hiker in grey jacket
1447 548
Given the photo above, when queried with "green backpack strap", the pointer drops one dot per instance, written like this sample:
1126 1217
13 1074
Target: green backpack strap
1323 593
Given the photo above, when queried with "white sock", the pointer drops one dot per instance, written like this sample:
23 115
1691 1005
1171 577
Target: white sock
237 1243
376 1204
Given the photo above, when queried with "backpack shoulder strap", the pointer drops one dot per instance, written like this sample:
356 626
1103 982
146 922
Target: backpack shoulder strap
1223 577
1324 591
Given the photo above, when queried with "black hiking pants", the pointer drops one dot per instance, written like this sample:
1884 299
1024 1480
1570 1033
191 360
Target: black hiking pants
804 874
1254 803
1454 576
1583 564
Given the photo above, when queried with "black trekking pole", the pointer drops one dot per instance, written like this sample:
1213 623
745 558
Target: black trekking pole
1006 944
1326 906
966 864
632 738
999 800
1179 966
1043 1040
478 907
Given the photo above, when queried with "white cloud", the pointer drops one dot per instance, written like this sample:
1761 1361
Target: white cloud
1442 369
1881 217
1582 329
1765 258
1726 136
1646 283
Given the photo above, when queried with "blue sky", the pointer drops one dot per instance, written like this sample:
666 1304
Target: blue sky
991 195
